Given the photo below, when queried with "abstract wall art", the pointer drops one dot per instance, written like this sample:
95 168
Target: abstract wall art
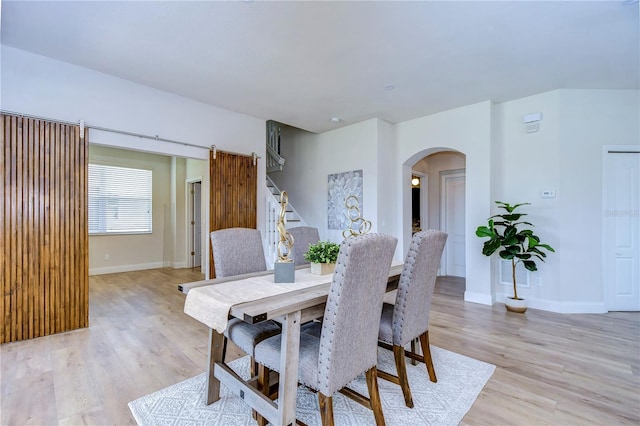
341 186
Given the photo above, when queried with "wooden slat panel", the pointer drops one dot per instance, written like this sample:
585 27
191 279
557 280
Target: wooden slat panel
4 278
29 264
42 249
233 193
66 218
44 241
71 244
83 231
37 237
55 234
48 243
17 234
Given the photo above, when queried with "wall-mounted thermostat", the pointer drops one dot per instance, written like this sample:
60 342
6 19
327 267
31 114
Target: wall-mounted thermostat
548 193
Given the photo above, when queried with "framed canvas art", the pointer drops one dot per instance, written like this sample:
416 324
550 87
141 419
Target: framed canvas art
341 186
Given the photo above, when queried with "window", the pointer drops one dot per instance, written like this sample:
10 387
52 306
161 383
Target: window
119 200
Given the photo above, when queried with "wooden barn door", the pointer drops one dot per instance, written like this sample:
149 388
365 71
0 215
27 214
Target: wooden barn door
233 200
43 218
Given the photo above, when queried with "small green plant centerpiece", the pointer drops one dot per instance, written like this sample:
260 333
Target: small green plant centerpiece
517 245
323 256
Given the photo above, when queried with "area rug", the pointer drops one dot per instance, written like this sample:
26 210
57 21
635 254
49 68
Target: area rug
460 380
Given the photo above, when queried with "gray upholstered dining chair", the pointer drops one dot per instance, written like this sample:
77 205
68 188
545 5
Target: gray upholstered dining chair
303 236
239 251
408 319
347 345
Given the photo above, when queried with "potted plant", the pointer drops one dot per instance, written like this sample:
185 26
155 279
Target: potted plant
323 256
518 245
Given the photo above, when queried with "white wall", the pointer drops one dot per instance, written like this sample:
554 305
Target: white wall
590 119
36 85
386 152
527 164
503 162
469 131
388 197
565 155
178 240
310 158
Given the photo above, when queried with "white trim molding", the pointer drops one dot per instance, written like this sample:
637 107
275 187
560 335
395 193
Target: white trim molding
475 297
127 268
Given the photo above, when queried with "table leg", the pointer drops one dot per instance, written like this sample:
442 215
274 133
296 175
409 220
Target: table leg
216 342
289 354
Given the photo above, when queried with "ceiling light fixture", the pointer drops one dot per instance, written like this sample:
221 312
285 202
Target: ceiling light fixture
335 119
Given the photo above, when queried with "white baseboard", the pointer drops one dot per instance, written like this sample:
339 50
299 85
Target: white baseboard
175 265
561 307
125 268
568 307
482 298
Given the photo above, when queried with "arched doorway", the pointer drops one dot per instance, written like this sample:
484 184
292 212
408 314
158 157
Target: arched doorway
438 179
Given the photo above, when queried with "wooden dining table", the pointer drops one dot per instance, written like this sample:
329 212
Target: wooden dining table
255 298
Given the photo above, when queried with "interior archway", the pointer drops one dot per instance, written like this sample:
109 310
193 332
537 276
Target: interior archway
439 175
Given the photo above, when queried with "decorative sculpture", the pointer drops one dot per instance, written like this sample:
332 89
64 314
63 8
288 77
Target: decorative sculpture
353 214
286 239
284 267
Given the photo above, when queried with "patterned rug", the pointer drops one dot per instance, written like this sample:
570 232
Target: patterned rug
460 380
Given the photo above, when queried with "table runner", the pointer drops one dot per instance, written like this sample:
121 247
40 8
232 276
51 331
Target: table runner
211 304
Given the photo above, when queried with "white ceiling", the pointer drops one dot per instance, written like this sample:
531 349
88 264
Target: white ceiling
301 63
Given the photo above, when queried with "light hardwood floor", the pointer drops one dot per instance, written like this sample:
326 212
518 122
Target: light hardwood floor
551 368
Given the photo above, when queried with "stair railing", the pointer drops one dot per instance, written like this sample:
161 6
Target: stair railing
275 161
272 214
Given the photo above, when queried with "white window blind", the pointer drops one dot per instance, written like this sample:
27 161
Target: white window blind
119 200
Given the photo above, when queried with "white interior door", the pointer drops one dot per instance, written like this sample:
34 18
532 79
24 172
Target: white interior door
452 210
196 224
621 230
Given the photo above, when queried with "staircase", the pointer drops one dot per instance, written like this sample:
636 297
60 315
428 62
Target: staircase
274 162
292 219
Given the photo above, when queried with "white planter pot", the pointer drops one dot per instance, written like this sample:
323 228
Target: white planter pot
322 268
515 305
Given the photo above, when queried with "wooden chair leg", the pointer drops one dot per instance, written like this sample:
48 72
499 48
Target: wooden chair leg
224 348
253 370
426 353
326 409
263 386
401 367
253 367
374 396
413 349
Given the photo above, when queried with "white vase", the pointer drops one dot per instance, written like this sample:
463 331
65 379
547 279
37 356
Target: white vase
322 268
515 305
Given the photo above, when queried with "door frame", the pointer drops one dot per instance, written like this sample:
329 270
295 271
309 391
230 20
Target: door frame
189 184
606 150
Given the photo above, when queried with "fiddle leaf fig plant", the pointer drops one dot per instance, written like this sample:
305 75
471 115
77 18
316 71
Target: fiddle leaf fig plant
322 252
505 232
